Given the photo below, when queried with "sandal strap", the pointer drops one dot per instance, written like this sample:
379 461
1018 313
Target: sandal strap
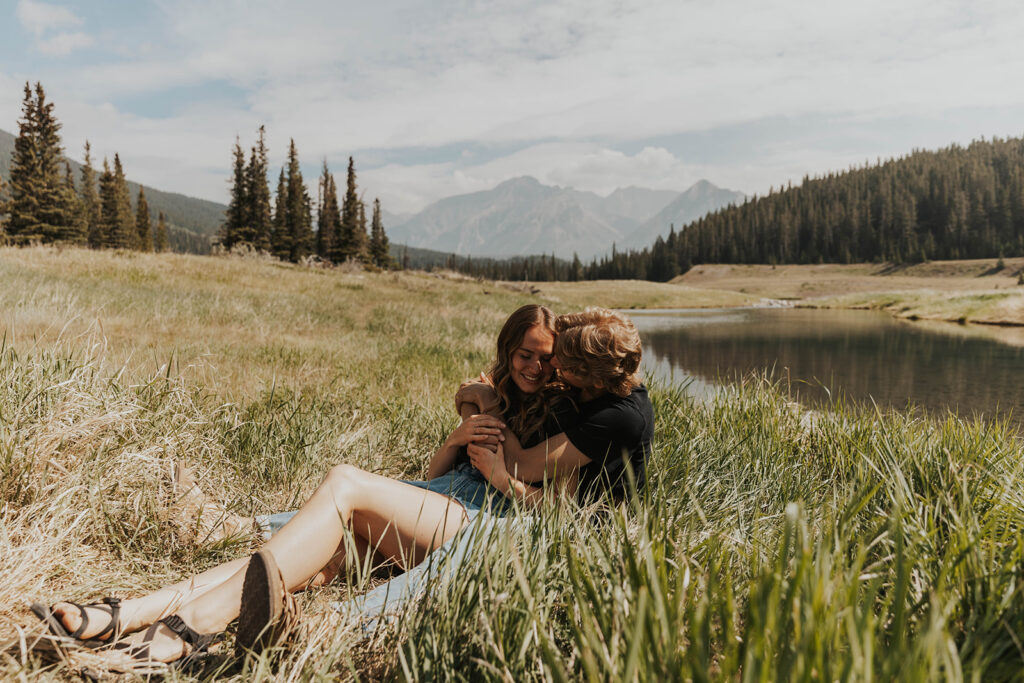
198 641
114 627
113 606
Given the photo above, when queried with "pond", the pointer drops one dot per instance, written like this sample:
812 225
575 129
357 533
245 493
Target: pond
822 355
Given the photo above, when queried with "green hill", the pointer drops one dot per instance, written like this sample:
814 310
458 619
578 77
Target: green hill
953 203
192 221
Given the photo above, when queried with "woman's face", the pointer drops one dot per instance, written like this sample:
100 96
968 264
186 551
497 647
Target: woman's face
531 361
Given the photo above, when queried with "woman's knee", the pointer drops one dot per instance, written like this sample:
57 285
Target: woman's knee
344 480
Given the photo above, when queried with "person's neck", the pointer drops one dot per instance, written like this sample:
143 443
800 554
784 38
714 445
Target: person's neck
590 393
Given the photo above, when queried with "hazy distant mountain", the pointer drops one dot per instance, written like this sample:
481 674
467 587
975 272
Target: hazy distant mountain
196 215
638 203
392 219
699 200
521 216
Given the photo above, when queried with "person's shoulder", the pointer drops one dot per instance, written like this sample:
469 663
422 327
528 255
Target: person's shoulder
637 400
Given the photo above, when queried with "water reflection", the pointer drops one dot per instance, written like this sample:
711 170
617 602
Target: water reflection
862 355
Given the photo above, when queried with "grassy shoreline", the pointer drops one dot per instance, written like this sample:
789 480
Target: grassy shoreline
976 291
856 545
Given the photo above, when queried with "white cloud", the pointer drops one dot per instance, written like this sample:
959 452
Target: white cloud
64 43
585 75
40 17
47 23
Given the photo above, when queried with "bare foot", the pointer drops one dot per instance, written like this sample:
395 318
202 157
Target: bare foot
99 619
199 516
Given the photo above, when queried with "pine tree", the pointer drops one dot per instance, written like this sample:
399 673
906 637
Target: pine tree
160 243
108 206
142 222
328 217
232 232
5 209
351 242
78 229
281 239
362 236
380 250
297 210
124 235
89 202
39 200
117 222
576 270
260 221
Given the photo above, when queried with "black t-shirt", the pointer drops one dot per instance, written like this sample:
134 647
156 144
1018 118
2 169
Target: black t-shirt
611 431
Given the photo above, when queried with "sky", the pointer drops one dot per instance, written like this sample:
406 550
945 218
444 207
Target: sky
440 98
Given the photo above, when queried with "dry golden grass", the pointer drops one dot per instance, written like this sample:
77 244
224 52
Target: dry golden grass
627 294
967 291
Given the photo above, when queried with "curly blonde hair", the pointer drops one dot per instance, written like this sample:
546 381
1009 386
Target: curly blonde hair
602 346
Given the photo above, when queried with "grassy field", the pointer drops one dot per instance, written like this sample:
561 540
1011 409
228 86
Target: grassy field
768 546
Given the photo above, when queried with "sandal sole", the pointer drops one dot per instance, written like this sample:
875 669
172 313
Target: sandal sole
261 605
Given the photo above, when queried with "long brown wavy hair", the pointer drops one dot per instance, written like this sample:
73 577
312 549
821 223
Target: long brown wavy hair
524 413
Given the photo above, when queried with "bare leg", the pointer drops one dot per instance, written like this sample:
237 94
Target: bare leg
402 522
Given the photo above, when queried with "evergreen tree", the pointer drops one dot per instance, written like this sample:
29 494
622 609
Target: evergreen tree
351 242
142 222
116 220
5 209
298 216
576 270
235 219
260 221
160 244
109 219
124 236
77 231
362 236
89 201
281 239
328 217
380 250
39 202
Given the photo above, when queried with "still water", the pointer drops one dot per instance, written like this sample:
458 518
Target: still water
823 354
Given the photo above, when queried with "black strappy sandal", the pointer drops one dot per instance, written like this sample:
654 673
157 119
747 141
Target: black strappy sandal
57 628
199 642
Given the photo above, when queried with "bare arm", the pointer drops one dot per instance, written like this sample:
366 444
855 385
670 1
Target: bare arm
483 430
492 466
473 398
546 460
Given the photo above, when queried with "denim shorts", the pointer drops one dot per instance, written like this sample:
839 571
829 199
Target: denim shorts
464 484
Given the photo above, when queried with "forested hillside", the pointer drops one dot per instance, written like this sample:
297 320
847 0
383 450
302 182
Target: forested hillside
957 202
191 221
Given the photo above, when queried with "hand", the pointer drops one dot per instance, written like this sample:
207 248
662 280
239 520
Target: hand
479 393
478 429
489 463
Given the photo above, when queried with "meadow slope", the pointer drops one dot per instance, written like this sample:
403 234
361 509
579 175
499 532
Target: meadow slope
769 545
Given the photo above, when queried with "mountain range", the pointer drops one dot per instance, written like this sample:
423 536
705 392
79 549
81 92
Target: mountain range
522 216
